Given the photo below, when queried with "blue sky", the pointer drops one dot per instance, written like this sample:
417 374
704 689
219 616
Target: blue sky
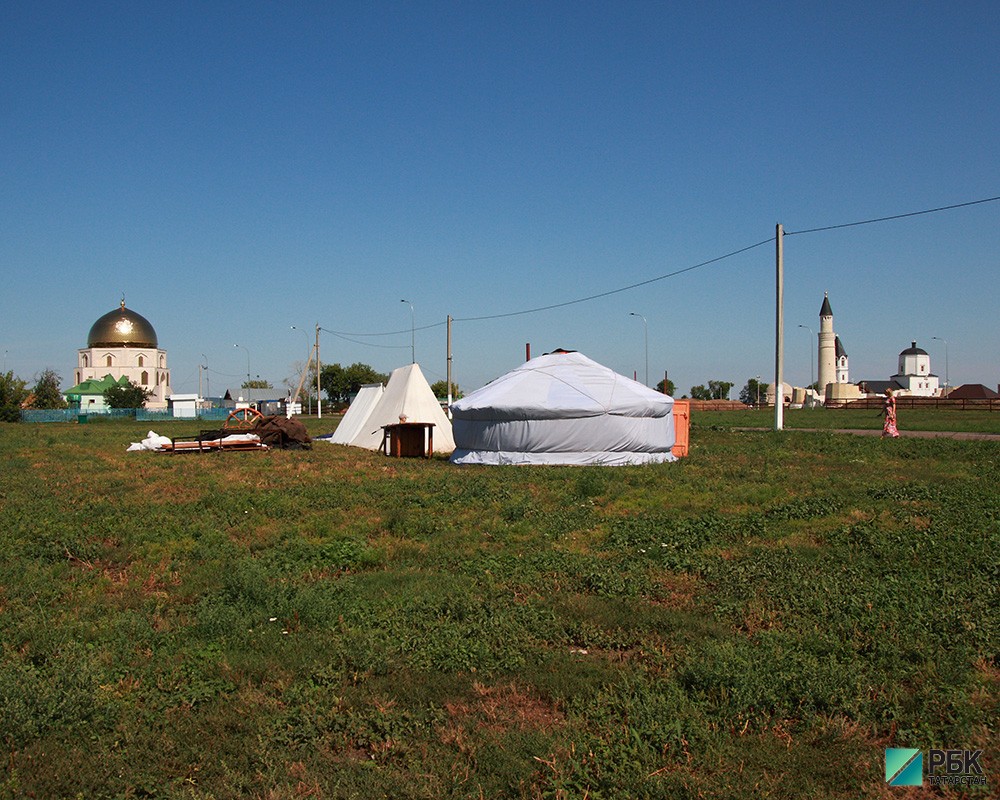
236 168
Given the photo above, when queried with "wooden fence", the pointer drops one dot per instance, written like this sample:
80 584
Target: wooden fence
942 403
717 405
866 404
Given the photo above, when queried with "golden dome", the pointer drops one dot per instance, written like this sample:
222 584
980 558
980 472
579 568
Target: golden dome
122 328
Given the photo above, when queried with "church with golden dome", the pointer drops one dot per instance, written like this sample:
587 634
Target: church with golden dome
121 346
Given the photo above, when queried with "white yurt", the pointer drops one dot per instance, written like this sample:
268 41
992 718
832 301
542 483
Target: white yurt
563 408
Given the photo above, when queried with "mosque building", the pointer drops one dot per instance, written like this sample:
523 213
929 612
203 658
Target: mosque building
121 347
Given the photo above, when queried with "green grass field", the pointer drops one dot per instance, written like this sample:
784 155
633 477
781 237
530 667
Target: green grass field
761 619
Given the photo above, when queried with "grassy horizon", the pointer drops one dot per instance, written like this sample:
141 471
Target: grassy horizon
762 618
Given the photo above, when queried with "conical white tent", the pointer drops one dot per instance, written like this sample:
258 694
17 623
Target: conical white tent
406 394
563 408
357 413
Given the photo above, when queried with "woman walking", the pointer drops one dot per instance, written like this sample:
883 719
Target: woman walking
889 412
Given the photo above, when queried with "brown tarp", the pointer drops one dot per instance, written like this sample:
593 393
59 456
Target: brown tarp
287 433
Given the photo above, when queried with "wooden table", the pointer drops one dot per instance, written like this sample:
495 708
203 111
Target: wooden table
408 439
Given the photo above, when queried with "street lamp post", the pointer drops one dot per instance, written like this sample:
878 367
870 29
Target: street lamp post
413 322
811 335
645 328
946 381
248 366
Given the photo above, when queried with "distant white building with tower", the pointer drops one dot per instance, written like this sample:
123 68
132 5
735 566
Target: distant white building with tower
834 370
913 371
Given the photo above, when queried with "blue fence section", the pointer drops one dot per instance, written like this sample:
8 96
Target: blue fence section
47 415
139 414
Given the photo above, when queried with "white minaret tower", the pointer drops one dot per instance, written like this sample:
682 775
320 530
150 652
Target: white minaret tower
827 359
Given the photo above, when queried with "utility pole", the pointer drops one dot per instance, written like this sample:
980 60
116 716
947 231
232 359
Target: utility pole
208 381
319 397
448 347
779 336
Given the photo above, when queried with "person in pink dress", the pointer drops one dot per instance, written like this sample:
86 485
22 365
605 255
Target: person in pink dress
889 412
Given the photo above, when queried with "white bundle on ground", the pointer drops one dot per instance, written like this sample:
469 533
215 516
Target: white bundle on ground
153 441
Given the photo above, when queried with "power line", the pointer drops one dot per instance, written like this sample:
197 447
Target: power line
370 344
563 304
616 291
345 334
223 374
673 274
894 216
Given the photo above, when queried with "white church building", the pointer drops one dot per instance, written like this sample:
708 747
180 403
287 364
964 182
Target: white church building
914 374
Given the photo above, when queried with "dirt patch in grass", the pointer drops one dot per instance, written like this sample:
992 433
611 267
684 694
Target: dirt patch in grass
398 548
258 537
159 492
503 707
675 590
759 617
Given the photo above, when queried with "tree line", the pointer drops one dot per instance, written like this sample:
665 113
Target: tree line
339 383
15 394
753 393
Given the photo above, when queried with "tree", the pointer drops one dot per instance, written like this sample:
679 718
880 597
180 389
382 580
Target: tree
440 389
754 392
127 395
670 388
46 393
719 390
340 383
359 374
308 389
333 381
256 383
13 392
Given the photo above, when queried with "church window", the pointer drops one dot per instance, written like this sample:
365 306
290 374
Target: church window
168 379
85 362
109 361
163 361
144 378
140 361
